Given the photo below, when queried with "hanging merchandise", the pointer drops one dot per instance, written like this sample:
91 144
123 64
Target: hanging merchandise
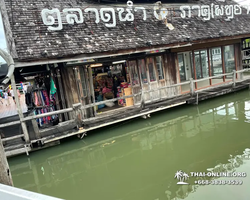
52 86
41 97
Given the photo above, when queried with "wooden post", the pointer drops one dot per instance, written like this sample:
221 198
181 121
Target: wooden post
142 92
19 110
148 76
5 175
92 87
209 66
195 75
35 127
87 78
130 76
157 75
191 86
234 78
58 106
77 114
59 79
197 98
223 63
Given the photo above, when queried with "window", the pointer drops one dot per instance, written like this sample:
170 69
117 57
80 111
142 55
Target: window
134 74
229 58
151 70
201 64
159 67
142 66
182 67
216 61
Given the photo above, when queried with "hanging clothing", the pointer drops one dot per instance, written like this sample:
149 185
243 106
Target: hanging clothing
46 97
52 86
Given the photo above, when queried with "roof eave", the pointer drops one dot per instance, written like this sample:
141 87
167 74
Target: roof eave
124 52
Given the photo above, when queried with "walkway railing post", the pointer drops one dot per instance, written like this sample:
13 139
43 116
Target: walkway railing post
35 127
234 78
191 86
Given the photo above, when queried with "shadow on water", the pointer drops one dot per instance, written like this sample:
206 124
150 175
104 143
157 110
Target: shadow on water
139 158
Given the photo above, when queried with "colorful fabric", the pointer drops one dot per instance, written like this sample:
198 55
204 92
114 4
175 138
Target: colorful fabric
46 97
52 86
106 90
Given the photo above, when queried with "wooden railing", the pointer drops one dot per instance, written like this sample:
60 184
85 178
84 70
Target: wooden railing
76 107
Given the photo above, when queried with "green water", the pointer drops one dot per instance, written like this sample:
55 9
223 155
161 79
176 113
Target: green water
137 160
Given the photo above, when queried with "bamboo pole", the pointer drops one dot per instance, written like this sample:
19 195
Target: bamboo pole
5 175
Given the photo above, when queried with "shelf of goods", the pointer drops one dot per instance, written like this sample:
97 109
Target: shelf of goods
128 101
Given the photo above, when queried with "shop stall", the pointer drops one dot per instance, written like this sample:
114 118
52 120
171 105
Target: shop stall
111 81
41 98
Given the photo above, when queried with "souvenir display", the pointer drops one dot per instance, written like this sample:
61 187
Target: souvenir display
41 98
109 82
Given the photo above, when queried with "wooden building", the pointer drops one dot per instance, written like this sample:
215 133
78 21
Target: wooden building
75 44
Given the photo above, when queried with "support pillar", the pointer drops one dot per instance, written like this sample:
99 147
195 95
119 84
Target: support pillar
5 175
19 109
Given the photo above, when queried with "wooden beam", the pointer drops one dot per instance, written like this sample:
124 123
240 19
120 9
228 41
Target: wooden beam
5 174
12 138
205 45
9 124
48 114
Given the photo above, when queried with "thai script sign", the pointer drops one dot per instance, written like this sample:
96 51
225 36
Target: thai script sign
54 18
211 11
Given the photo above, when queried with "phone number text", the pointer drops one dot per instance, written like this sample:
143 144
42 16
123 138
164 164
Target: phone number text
219 182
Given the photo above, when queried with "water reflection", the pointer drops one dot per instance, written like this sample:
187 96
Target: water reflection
139 160
233 167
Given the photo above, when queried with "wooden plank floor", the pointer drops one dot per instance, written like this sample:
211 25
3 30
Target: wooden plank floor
11 110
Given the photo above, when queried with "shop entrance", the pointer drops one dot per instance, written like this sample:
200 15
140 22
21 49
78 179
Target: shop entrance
111 80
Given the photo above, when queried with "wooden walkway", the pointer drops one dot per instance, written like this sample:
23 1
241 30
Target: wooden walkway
11 110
